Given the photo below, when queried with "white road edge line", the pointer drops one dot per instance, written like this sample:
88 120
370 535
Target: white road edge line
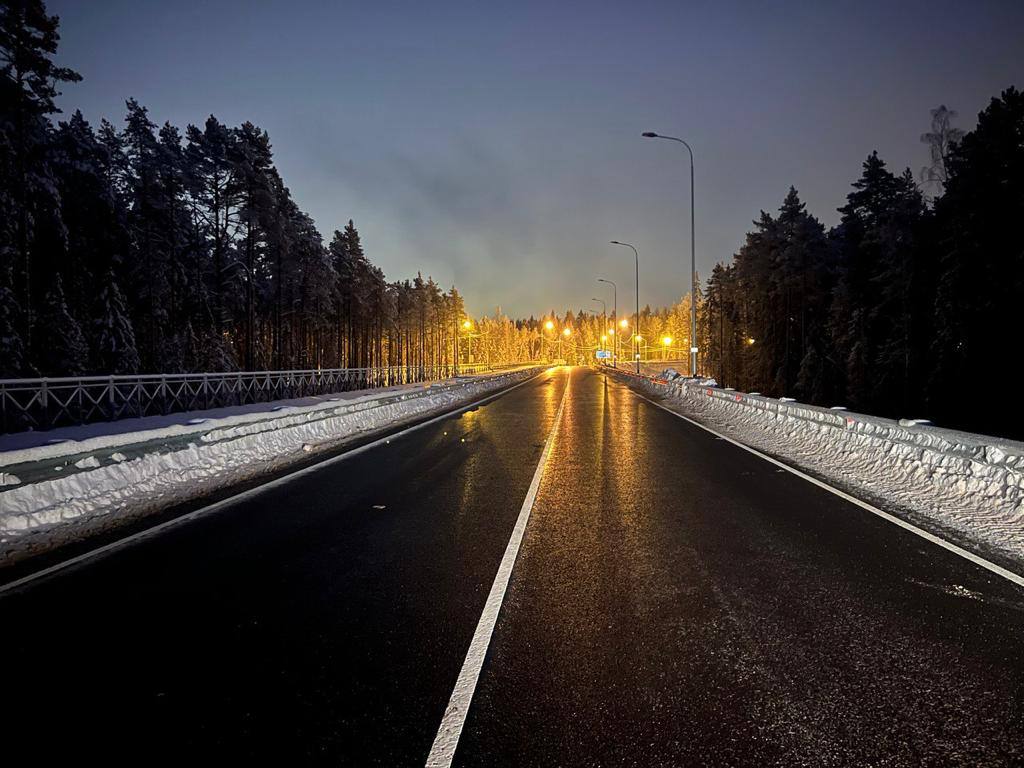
967 555
239 497
447 740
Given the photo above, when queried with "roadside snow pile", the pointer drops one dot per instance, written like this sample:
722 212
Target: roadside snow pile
968 484
176 465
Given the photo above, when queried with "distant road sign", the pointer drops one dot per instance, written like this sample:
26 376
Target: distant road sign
603 354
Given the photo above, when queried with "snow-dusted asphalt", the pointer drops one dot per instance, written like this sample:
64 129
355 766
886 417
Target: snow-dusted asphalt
676 601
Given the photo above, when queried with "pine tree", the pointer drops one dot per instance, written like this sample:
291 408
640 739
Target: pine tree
12 349
114 339
28 87
61 344
214 187
859 240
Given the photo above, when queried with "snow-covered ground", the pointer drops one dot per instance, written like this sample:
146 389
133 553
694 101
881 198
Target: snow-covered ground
969 487
60 485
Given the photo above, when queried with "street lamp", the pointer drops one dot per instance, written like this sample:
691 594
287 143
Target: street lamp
666 342
636 326
615 311
566 332
468 325
549 326
693 257
604 316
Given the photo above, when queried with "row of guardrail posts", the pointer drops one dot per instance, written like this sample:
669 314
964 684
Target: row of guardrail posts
44 403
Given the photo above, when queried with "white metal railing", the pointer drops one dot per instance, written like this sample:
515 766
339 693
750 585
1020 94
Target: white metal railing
45 403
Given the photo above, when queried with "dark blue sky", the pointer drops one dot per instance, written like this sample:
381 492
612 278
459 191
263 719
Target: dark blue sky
497 145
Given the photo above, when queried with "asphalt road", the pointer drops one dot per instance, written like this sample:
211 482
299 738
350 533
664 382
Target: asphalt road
676 601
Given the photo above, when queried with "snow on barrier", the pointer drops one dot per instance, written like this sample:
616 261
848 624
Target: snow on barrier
969 485
180 463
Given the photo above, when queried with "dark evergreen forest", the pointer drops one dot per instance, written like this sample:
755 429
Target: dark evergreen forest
909 306
145 248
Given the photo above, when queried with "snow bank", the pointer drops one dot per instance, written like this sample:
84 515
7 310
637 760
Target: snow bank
182 462
968 485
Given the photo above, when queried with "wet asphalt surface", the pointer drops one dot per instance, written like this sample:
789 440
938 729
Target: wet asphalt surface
676 602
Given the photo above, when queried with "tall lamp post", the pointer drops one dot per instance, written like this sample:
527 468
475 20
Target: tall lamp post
693 257
636 320
604 318
468 325
615 311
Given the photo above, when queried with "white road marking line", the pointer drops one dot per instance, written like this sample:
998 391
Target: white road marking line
239 497
967 555
447 739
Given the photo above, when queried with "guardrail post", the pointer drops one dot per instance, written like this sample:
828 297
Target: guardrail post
44 402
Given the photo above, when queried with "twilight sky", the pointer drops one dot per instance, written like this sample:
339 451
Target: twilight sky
497 145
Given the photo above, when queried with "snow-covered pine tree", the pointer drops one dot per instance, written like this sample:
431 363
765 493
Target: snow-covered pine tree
114 337
28 90
61 344
12 349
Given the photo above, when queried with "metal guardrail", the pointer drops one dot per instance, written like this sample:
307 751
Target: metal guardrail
52 402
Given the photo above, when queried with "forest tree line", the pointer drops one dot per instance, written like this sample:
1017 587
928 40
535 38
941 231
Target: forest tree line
907 307
145 248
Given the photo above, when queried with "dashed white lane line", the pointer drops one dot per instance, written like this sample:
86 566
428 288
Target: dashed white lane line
948 545
447 739
239 497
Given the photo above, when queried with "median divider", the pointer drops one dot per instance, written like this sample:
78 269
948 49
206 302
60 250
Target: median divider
968 485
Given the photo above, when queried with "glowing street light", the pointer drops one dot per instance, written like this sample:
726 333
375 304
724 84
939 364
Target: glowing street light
666 340
549 325
566 332
750 341
624 323
468 325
